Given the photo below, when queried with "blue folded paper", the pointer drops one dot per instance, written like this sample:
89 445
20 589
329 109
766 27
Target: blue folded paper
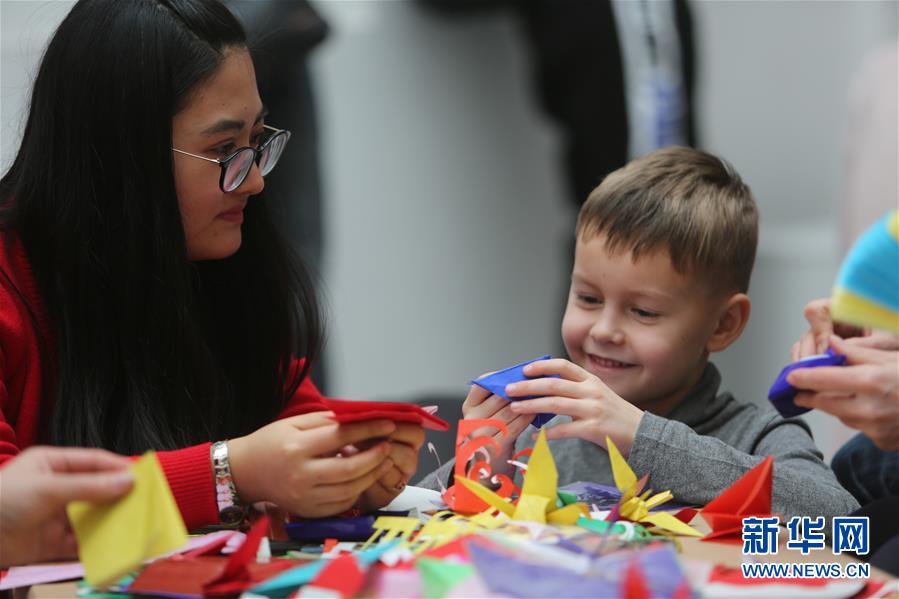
782 393
496 384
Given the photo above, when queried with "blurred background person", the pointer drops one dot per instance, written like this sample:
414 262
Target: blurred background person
281 35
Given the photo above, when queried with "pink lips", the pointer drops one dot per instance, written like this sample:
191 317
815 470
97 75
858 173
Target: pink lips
233 216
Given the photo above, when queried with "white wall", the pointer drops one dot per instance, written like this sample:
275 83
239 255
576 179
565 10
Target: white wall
446 214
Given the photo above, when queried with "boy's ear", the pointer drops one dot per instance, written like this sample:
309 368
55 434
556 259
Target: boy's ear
731 322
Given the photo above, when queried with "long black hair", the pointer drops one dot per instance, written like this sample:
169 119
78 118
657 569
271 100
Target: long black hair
150 350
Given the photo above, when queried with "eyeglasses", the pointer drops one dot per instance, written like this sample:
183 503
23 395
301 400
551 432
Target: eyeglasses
236 166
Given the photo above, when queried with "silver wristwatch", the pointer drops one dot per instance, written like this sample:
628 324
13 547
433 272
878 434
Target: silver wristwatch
231 512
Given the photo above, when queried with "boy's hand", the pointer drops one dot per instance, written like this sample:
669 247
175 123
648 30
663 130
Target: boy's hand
479 404
596 410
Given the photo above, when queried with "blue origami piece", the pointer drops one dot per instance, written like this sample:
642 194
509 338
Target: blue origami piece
496 384
782 393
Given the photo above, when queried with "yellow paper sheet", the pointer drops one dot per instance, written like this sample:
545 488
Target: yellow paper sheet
531 508
541 477
624 476
115 538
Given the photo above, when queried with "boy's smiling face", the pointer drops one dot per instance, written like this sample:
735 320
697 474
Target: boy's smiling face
641 327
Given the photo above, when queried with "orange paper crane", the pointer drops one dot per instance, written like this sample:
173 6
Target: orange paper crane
749 496
538 493
636 503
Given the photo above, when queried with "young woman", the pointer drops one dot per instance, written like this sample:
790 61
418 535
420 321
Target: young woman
146 301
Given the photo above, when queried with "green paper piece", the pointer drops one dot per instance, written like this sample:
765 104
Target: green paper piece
439 576
567 497
602 527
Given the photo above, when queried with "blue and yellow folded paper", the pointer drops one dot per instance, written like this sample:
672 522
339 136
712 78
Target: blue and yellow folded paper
866 292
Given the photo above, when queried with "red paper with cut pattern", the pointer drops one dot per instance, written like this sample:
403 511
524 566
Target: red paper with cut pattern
459 498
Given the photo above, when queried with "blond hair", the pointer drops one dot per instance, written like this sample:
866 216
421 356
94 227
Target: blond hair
685 201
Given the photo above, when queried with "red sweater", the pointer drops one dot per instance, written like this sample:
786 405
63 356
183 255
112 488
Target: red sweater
22 414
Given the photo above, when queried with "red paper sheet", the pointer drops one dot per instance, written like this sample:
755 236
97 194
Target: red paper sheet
749 496
357 411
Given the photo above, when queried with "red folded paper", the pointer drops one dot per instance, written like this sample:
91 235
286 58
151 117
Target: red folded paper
749 496
356 411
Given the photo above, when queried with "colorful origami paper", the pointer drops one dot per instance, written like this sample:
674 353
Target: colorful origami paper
115 538
187 577
342 576
388 528
439 576
634 586
749 496
497 381
283 584
635 504
236 577
537 502
357 411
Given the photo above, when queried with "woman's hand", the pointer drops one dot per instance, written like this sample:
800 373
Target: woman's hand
34 490
405 442
821 327
294 463
864 393
596 411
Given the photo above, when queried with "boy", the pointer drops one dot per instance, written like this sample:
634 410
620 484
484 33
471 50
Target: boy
665 249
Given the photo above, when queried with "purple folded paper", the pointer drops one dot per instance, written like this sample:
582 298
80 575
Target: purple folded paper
506 573
496 384
782 393
605 497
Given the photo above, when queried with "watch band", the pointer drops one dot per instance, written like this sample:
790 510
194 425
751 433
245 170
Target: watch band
231 512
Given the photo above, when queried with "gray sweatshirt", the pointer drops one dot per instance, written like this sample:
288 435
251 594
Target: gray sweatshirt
705 444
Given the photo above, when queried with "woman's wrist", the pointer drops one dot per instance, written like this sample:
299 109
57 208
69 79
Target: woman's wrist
231 510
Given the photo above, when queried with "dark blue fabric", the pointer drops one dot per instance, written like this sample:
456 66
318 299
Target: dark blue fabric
866 471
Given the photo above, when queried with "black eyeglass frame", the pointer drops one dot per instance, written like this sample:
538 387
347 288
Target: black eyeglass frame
224 162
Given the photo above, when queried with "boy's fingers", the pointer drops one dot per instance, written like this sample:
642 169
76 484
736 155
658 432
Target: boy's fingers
518 425
487 409
477 395
559 366
543 387
555 405
565 430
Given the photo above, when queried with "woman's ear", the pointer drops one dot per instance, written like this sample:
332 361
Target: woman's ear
731 322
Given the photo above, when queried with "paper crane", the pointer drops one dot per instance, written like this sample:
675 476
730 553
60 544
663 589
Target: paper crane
538 493
749 496
635 503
